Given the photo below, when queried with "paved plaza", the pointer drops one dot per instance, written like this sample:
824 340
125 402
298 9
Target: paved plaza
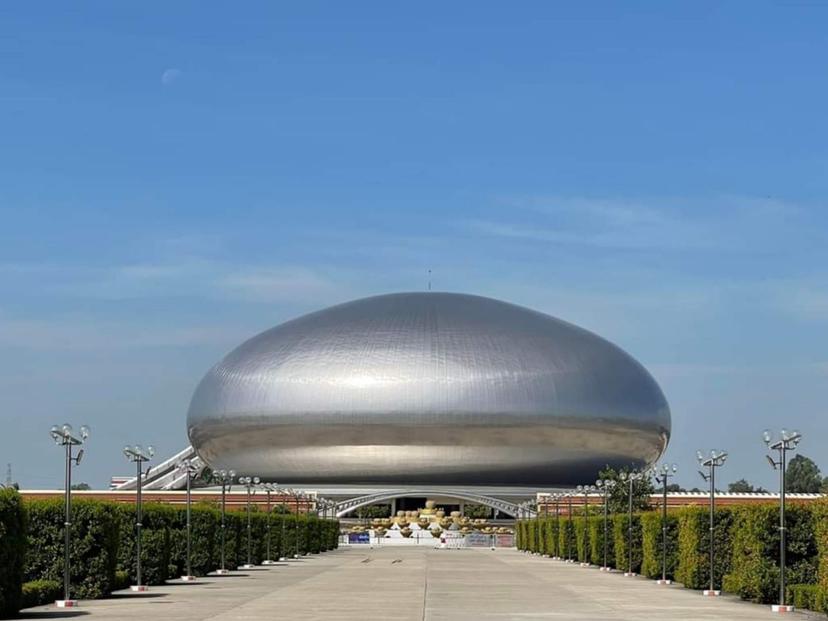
410 583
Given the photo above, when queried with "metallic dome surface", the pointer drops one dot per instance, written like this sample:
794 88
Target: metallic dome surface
428 389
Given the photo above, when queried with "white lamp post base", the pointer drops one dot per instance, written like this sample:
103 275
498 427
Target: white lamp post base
586 565
606 569
630 574
66 603
664 582
782 608
139 588
711 593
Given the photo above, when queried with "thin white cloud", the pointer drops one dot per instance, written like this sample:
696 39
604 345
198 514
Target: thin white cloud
170 75
280 284
77 333
722 223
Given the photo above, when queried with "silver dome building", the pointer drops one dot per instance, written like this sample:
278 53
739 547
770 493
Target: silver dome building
428 389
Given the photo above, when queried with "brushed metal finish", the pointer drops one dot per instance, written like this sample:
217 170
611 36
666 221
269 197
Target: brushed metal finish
428 389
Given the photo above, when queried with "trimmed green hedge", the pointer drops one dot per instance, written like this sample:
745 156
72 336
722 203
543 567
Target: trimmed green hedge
820 513
41 592
620 532
746 538
566 539
12 551
652 544
754 573
596 541
94 544
808 596
103 544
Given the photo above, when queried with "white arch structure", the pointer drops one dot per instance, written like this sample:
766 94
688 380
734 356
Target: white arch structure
344 507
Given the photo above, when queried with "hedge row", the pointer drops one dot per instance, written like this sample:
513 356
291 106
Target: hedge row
103 544
746 539
12 550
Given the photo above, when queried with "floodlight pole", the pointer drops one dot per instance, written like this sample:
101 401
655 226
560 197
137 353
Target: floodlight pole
716 460
138 456
629 528
285 510
64 436
631 478
224 477
296 524
787 441
268 490
189 470
557 525
571 531
605 486
189 522
249 483
663 477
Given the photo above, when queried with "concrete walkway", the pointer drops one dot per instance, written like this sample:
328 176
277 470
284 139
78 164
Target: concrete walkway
411 583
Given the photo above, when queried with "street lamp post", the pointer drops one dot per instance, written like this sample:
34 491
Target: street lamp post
716 460
249 483
269 489
787 441
225 477
138 455
284 513
663 476
64 436
558 553
189 470
605 486
585 490
296 495
570 529
631 478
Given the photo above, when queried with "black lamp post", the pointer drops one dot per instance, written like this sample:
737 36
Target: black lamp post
716 460
269 489
585 490
225 477
631 478
606 487
64 436
788 441
284 513
570 529
296 495
249 483
138 455
558 553
663 475
189 470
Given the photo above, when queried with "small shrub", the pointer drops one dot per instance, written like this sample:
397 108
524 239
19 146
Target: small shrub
41 592
807 596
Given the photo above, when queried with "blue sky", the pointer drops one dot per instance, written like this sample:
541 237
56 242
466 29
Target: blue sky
177 177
